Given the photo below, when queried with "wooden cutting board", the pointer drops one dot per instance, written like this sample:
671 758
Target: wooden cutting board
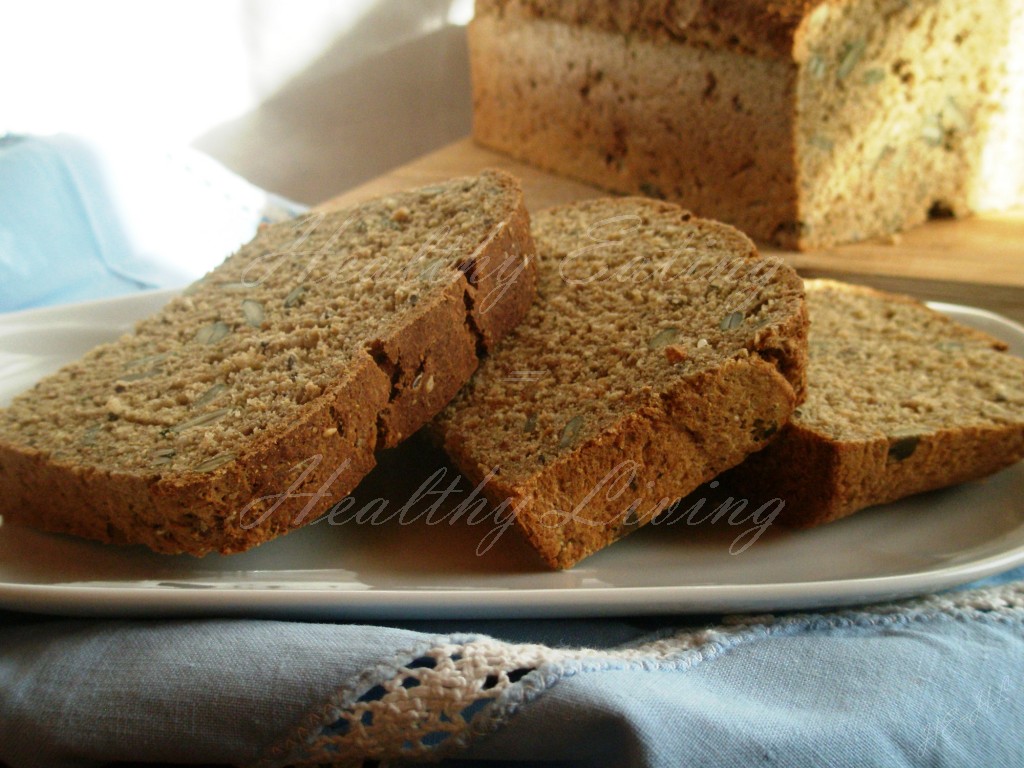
978 261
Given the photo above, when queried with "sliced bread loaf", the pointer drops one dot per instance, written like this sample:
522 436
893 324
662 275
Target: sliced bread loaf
243 407
802 122
900 400
662 350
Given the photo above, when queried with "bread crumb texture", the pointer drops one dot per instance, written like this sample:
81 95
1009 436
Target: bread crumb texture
328 336
805 124
662 349
901 399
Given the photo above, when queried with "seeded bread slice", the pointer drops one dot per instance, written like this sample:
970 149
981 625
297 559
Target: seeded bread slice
901 400
245 406
662 350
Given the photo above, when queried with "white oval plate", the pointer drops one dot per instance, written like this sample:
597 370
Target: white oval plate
430 567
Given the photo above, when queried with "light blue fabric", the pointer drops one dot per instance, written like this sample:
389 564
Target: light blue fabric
921 683
49 252
916 688
932 682
80 219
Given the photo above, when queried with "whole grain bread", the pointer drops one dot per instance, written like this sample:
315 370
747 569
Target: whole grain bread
662 349
246 405
802 122
901 400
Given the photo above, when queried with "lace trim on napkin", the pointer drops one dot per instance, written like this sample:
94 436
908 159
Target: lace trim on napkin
435 699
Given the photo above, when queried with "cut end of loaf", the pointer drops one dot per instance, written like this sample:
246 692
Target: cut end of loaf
804 124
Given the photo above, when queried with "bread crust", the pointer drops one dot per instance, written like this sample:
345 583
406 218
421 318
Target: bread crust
665 452
289 476
822 478
769 29
683 435
804 124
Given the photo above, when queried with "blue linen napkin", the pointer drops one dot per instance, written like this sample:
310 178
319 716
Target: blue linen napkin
926 682
930 682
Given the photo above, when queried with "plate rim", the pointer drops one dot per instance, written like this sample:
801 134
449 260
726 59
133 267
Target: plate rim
85 600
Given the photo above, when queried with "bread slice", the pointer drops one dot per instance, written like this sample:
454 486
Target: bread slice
901 399
662 350
245 406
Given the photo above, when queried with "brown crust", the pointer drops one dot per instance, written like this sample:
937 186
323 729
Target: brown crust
277 482
700 427
836 478
666 451
821 479
768 29
784 118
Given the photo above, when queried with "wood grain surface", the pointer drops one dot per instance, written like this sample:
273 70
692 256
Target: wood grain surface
977 261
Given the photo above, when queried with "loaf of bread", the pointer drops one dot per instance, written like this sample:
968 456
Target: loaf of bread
803 122
246 406
662 349
900 400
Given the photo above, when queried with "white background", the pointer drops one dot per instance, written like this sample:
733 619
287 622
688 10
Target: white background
306 98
